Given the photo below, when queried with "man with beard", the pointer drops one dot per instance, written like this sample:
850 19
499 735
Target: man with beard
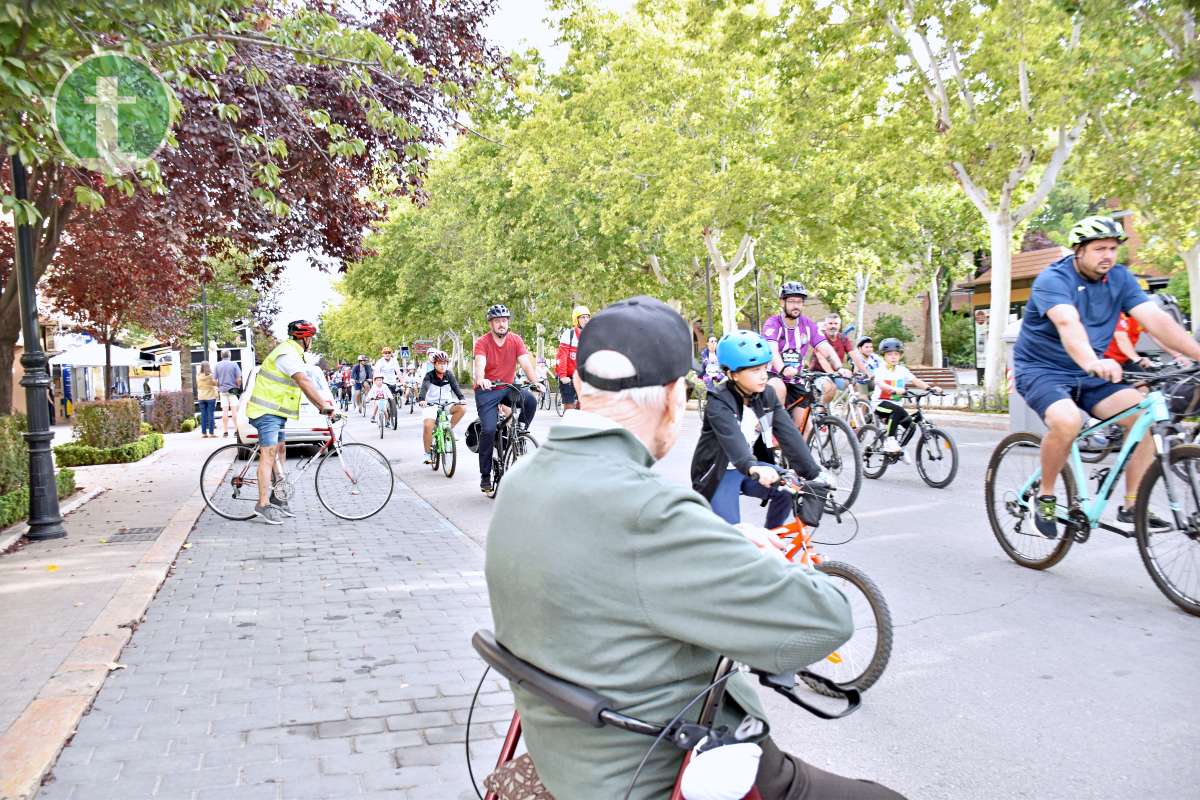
791 336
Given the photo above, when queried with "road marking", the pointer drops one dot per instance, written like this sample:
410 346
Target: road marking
895 510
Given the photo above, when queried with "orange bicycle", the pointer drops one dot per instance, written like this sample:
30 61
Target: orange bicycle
860 662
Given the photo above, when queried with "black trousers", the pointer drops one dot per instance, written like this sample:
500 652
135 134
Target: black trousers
785 777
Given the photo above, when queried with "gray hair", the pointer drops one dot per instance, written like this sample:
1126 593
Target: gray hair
614 365
205 368
225 354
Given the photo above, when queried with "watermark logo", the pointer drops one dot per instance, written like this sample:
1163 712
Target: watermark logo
112 112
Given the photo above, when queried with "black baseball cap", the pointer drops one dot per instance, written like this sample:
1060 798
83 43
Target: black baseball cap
648 332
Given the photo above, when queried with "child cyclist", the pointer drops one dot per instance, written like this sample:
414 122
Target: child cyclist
376 395
892 379
437 387
732 457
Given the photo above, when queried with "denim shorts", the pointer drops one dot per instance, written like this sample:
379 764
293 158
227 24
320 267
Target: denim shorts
1041 388
270 429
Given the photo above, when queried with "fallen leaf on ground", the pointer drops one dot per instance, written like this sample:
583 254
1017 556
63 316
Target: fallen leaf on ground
113 666
52 568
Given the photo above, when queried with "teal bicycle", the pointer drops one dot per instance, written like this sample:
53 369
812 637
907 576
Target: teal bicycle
445 449
1167 512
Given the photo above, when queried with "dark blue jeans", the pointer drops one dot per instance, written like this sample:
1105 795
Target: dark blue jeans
488 405
726 501
208 416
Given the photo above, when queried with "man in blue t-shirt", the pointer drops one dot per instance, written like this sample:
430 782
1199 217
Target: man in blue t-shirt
1058 360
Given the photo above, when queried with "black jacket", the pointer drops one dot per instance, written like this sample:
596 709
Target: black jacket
431 379
361 373
722 443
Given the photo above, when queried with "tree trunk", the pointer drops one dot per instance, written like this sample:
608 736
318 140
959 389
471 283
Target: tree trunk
1192 259
861 281
728 274
8 352
1000 230
185 368
935 323
108 370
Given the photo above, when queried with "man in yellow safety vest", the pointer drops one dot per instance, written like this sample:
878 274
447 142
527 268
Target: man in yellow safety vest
274 400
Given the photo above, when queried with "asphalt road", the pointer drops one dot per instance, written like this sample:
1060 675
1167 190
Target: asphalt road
1079 682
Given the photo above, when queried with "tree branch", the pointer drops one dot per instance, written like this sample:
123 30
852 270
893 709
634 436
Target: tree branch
1066 143
968 98
749 257
656 268
935 66
740 256
1023 83
1176 48
926 86
974 193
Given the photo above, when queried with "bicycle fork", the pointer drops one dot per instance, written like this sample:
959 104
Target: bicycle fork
1174 492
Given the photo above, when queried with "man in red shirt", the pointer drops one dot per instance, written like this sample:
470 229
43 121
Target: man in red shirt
497 354
568 343
1123 347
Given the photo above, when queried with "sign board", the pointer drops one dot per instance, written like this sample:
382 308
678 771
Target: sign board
422 346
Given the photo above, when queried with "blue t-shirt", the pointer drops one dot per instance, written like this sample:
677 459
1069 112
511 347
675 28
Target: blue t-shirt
1099 304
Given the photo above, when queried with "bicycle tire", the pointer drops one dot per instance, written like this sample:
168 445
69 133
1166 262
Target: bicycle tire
833 460
435 455
1010 506
880 622
217 489
449 453
350 472
1187 599
381 418
950 447
860 413
874 460
559 407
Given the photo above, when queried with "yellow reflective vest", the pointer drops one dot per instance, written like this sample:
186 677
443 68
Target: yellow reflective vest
274 392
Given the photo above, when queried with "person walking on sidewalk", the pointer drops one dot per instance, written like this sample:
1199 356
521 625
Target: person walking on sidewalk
274 400
206 393
229 386
496 356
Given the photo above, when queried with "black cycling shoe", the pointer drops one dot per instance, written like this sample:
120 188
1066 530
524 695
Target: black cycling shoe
1125 515
1045 516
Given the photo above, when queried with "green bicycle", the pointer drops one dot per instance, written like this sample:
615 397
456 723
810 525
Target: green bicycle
445 449
1167 513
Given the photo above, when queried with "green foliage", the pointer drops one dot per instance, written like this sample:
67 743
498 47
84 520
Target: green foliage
14 453
73 454
108 423
1180 286
958 339
890 325
188 425
169 411
1065 205
14 505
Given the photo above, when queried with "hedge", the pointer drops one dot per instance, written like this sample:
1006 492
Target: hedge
14 453
188 425
74 454
169 410
108 423
14 506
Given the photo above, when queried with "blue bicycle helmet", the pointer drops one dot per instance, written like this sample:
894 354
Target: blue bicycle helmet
742 349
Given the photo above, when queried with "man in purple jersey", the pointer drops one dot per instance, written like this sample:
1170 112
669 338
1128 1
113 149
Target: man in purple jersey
792 335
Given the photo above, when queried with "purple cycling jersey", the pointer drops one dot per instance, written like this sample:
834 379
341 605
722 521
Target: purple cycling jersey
794 343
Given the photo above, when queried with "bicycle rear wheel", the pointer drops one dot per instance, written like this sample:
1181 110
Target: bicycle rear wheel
358 484
1010 513
862 659
449 453
228 483
559 408
835 448
874 459
1171 555
937 458
381 417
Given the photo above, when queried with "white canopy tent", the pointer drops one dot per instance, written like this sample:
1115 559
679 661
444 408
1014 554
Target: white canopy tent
92 355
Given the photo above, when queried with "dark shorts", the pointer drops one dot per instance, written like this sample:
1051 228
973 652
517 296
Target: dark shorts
1042 388
796 394
568 392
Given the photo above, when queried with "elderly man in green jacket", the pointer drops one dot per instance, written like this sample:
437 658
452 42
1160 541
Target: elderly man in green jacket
628 584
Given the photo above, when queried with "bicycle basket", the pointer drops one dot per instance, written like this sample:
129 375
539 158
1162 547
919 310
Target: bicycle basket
472 436
1183 397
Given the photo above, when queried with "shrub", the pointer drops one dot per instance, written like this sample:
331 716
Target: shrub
108 423
188 425
14 454
74 454
14 505
169 411
890 325
958 339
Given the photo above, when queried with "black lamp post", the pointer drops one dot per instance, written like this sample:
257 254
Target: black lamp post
45 519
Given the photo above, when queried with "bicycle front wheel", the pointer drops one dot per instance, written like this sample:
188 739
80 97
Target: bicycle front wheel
1010 511
835 448
937 458
381 416
861 660
356 485
449 454
1171 555
558 403
874 459
228 483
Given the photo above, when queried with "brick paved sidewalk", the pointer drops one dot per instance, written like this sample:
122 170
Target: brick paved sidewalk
318 659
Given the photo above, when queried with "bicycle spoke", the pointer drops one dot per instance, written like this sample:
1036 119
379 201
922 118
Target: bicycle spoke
1172 555
356 484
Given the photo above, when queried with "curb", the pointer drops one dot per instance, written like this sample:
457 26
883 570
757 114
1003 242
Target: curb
993 422
30 747
14 533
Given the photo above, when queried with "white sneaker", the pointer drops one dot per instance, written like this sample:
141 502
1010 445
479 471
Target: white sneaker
268 514
891 445
905 458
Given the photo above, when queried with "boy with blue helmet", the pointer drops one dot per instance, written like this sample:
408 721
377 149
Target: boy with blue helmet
733 456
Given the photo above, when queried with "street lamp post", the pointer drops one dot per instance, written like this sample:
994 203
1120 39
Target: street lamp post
45 519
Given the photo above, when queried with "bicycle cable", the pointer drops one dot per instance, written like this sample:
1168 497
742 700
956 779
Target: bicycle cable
851 538
667 728
467 733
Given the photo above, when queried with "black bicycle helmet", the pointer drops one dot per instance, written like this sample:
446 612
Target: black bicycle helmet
891 344
793 289
863 341
498 310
